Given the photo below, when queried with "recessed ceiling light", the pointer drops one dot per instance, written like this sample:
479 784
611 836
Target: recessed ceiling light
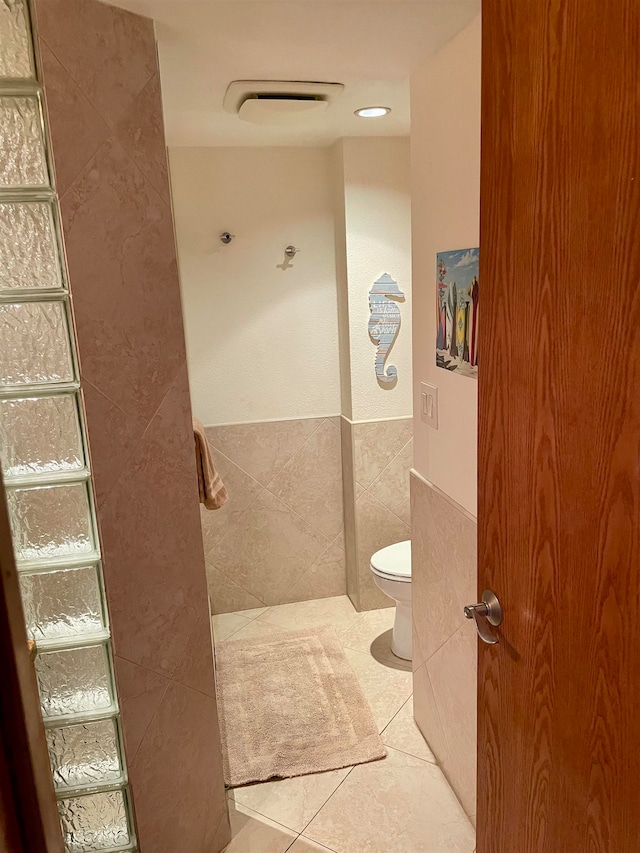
373 112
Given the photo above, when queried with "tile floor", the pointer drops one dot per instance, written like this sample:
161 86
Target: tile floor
401 804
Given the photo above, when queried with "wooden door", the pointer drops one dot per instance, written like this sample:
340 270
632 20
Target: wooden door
29 820
559 446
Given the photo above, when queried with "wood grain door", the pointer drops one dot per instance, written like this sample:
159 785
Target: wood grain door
559 447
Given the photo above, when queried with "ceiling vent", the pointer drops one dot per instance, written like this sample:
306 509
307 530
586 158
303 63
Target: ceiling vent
279 102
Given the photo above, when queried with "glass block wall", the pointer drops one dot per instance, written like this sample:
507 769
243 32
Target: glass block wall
46 469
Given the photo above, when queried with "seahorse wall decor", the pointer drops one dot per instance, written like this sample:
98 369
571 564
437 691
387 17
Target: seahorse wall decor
384 325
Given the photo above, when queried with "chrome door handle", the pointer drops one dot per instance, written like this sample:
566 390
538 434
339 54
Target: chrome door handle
487 612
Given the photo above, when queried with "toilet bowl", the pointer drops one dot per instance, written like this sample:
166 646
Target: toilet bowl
391 570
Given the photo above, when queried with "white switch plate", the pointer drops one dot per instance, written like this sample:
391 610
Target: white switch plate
429 404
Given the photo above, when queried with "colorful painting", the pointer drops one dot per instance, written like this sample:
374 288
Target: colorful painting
457 304
384 325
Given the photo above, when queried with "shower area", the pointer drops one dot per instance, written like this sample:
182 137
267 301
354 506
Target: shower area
95 434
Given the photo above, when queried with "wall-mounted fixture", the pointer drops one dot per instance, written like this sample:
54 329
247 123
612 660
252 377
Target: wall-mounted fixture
278 102
291 251
226 237
373 112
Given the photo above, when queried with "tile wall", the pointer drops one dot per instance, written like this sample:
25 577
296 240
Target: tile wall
280 536
377 457
310 500
102 91
444 573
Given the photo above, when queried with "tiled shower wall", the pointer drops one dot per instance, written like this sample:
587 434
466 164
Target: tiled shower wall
310 501
103 97
444 642
377 457
280 536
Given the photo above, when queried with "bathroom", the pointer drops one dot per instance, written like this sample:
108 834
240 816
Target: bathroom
288 239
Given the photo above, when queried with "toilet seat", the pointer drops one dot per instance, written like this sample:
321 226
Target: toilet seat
393 562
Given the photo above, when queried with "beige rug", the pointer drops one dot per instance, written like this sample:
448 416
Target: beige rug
291 705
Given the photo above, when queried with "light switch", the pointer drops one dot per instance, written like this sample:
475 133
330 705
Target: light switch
429 396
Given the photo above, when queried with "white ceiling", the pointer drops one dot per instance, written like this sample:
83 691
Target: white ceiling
371 46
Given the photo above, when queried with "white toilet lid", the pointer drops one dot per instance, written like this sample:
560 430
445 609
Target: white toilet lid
394 561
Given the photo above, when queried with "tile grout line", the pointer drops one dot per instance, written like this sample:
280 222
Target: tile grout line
393 459
219 452
279 471
267 486
381 472
395 514
293 603
319 557
323 536
396 714
330 797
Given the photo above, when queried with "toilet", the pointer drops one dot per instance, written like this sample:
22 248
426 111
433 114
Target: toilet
391 570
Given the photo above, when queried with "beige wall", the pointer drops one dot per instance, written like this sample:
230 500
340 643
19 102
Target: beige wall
373 236
445 140
376 463
280 537
267 371
102 91
373 205
445 186
262 342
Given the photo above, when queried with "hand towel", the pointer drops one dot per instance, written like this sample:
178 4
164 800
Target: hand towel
213 493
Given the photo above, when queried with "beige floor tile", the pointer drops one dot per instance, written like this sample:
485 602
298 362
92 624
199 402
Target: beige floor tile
403 734
370 632
337 611
398 805
385 689
291 802
254 833
226 624
255 628
253 613
306 845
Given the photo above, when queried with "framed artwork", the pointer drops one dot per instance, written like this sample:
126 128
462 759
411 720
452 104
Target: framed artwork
457 306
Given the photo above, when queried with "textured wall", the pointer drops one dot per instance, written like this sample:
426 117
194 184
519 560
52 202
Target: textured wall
373 206
103 97
445 207
444 555
279 538
262 341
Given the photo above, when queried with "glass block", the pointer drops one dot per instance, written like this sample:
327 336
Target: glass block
22 158
15 56
40 435
50 521
59 604
94 822
28 247
73 681
84 754
34 344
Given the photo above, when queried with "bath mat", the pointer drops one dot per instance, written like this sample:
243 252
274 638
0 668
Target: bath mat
291 705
